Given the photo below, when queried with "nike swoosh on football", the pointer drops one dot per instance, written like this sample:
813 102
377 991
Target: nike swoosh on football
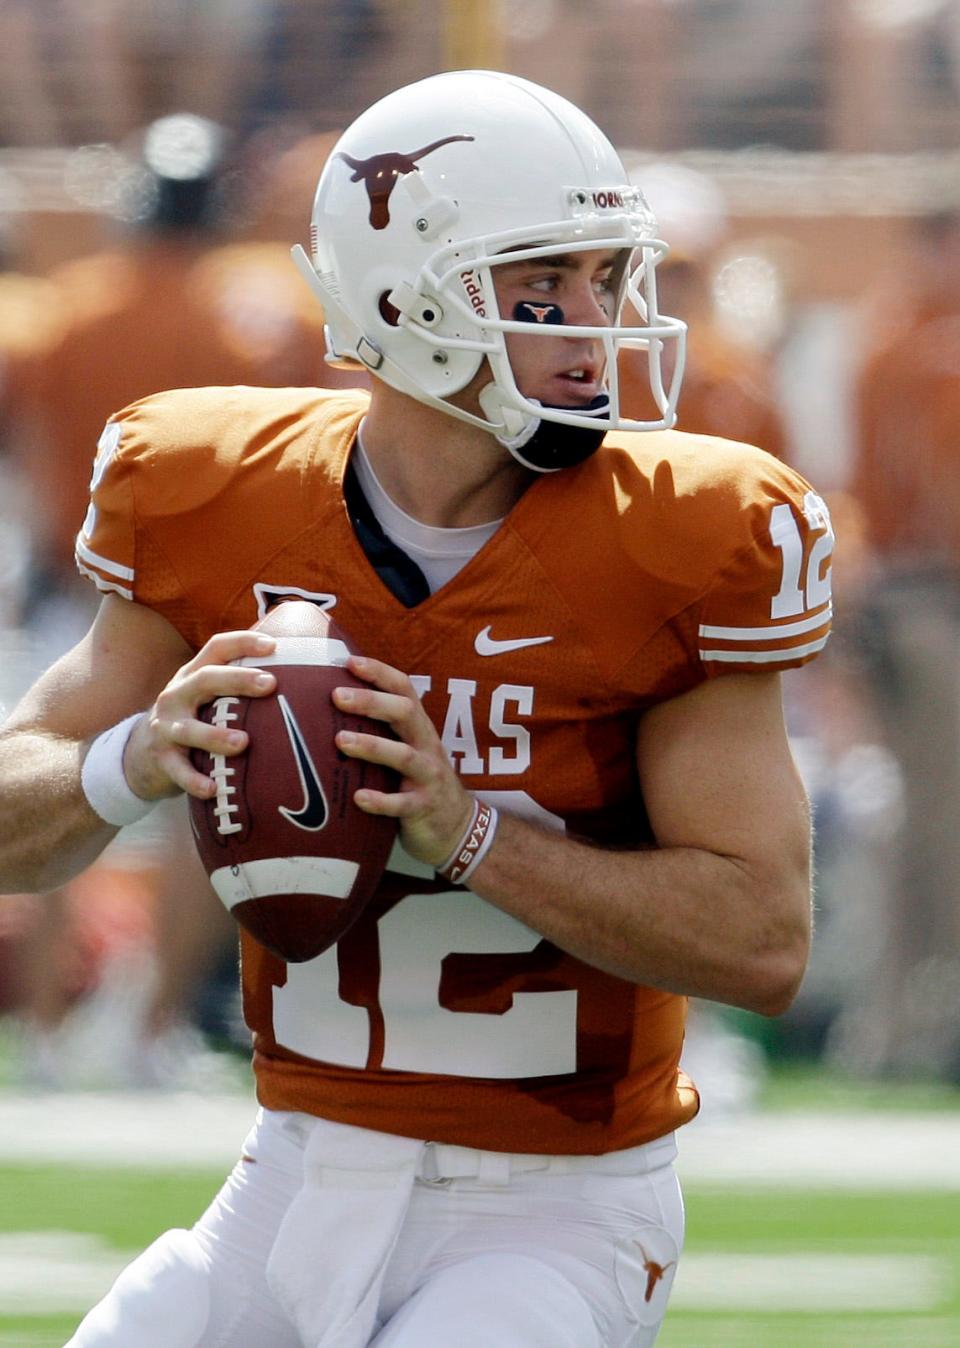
485 644
312 814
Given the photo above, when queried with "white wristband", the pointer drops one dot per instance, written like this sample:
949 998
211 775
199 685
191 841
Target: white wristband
473 846
104 783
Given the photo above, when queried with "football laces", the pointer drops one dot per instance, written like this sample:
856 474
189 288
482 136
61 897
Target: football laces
222 772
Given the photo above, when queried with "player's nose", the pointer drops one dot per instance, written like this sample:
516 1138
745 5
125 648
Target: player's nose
585 306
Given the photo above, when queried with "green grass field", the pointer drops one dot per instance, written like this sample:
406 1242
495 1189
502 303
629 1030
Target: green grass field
818 1270
779 1268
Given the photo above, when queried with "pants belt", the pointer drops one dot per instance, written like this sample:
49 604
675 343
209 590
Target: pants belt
443 1161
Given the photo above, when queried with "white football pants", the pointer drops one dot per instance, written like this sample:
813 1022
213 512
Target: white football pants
332 1237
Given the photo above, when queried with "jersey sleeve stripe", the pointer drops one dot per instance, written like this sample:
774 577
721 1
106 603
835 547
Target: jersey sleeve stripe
111 568
772 633
102 584
107 575
767 657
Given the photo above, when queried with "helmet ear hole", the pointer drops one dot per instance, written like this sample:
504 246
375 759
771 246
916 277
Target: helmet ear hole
388 312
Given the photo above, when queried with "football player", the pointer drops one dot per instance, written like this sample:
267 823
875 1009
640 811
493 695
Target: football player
573 627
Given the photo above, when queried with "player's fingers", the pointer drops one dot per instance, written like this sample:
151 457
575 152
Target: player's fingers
190 733
381 675
396 754
391 698
431 802
401 712
395 804
227 646
177 766
430 829
168 742
210 682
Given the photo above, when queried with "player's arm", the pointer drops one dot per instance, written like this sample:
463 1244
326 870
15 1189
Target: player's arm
720 909
131 660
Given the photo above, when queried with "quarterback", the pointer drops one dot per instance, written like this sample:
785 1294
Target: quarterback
572 627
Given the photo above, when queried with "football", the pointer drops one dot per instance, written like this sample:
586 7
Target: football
286 848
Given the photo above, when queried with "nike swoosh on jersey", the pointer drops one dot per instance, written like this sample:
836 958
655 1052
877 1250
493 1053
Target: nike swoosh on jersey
485 644
312 814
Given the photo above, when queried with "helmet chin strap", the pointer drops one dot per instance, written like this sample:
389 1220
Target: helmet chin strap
539 444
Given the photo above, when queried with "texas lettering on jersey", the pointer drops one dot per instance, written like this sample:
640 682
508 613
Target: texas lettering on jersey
664 560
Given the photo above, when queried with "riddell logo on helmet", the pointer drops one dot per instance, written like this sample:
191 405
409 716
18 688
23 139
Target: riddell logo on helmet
474 292
379 175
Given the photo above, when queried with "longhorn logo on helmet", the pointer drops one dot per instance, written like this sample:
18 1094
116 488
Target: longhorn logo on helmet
380 172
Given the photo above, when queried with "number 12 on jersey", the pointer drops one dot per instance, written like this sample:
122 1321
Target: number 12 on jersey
805 582
536 1036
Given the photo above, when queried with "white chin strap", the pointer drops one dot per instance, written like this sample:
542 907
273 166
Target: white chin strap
515 427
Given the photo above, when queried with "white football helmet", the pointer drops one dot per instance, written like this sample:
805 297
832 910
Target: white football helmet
428 191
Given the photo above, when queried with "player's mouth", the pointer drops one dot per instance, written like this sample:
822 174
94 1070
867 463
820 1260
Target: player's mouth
579 384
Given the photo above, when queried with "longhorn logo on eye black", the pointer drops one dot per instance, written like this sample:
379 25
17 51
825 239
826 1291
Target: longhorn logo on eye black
525 312
379 175
312 814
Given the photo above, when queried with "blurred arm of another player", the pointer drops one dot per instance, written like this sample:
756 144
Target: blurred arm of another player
131 660
720 909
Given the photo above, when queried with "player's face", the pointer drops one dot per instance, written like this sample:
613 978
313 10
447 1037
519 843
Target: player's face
565 371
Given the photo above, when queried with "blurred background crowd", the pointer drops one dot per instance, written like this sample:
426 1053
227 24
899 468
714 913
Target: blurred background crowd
157 160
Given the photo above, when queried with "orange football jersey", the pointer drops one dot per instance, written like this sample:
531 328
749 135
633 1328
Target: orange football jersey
664 560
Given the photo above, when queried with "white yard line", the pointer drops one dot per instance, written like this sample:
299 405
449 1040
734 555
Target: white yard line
147 1129
735 1331
815 1283
154 1130
55 1272
63 1272
837 1151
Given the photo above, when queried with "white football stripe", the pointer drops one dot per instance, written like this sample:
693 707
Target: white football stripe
103 563
330 876
301 651
765 657
771 633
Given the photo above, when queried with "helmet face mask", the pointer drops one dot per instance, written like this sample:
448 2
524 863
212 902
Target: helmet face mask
493 170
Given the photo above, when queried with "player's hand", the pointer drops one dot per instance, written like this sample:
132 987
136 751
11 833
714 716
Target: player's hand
432 805
156 761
